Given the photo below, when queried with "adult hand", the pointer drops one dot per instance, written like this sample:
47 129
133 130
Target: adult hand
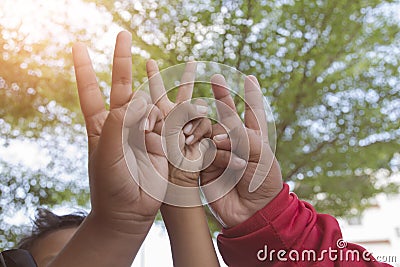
117 200
260 177
122 213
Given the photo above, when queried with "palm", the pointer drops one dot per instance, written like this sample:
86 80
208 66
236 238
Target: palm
176 115
237 205
109 164
114 194
261 179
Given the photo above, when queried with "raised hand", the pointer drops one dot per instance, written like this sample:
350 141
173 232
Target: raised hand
184 126
260 178
122 213
113 190
184 133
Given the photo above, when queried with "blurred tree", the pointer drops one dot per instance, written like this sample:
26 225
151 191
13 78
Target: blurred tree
329 69
38 105
36 85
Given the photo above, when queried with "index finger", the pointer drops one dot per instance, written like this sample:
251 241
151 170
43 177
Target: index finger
185 90
121 88
222 94
90 97
254 114
157 89
226 109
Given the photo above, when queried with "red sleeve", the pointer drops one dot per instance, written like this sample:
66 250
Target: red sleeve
289 232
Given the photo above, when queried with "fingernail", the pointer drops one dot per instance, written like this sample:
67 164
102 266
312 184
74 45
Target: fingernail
188 128
146 125
220 137
239 162
189 139
202 109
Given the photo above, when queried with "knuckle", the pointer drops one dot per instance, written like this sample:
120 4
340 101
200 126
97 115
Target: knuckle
123 80
91 86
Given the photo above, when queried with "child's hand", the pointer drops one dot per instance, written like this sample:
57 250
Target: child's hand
184 133
183 139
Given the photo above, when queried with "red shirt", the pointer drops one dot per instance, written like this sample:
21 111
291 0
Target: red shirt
289 232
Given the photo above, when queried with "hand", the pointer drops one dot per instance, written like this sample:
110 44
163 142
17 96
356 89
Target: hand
184 127
117 200
122 213
261 179
184 133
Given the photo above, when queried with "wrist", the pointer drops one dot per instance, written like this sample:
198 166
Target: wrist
257 201
262 216
183 178
124 223
181 220
94 240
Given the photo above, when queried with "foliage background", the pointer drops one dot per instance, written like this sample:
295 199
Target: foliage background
329 69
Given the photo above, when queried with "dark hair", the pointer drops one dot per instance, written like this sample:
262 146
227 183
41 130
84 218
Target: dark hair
46 222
